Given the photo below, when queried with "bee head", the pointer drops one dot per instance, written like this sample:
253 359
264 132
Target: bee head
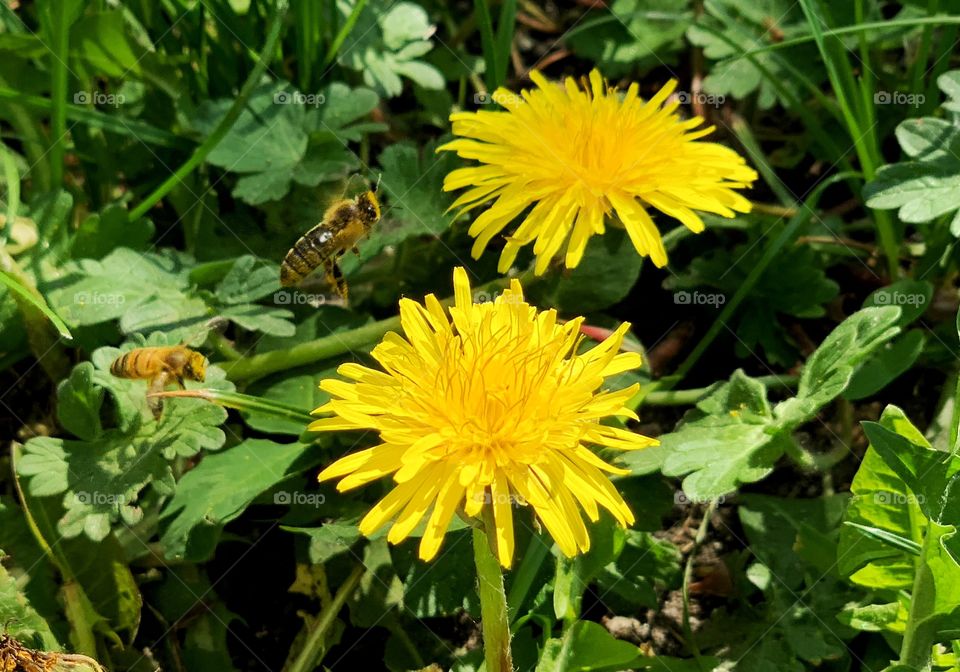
369 207
196 368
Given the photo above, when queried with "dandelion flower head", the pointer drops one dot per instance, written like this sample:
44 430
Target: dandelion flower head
564 157
491 406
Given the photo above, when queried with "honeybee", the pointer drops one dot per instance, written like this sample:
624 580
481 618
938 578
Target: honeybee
160 365
344 224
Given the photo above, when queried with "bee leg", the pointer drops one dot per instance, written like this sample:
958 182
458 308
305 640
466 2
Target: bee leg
180 383
340 282
156 403
355 250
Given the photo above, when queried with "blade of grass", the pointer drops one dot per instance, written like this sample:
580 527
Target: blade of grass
857 114
36 301
133 128
344 32
487 42
60 35
943 20
225 124
919 68
307 34
504 39
12 178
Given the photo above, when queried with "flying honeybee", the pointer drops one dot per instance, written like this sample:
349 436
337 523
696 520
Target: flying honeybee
344 224
160 365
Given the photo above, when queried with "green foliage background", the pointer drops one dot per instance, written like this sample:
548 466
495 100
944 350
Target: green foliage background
158 159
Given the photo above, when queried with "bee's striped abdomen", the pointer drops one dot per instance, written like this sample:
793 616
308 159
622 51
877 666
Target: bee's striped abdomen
305 256
127 365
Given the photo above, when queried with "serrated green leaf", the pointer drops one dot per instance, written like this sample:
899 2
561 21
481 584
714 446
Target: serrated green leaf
635 33
386 42
273 321
728 440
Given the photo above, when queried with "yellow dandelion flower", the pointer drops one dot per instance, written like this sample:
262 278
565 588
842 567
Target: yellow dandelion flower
575 155
494 409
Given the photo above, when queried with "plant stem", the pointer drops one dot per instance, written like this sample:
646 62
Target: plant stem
256 366
692 396
493 598
60 27
688 575
313 649
229 119
918 637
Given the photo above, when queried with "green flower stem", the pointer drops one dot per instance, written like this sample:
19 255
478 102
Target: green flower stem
493 599
688 576
257 366
312 652
690 397
918 638
229 119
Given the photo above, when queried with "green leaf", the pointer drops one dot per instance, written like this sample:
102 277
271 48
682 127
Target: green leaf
102 479
929 473
751 25
727 440
99 45
298 138
926 185
587 646
20 619
273 321
94 291
881 500
79 401
386 44
894 359
913 297
636 34
101 233
605 276
830 368
328 541
218 490
249 279
891 617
